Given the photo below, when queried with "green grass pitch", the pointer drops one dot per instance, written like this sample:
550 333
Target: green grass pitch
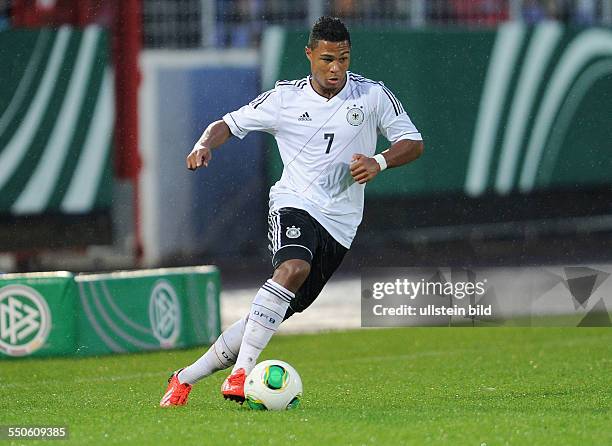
493 386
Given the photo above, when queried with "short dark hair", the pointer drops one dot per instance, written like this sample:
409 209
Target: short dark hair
328 28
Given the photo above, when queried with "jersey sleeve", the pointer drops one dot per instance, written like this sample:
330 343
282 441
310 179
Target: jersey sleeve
259 114
393 121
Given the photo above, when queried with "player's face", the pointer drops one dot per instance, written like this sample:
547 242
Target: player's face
329 62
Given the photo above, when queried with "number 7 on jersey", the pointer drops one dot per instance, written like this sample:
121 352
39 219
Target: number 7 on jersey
329 136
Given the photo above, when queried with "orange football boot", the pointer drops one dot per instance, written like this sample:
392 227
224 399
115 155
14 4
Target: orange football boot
176 393
233 386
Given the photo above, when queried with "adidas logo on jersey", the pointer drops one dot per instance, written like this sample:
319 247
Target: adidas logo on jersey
305 117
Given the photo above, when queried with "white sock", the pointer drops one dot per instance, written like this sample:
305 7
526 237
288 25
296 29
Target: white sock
267 312
221 355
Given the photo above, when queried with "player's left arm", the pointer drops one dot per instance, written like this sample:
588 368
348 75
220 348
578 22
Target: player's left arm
404 151
395 125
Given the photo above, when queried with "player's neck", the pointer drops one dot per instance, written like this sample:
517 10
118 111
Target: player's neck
327 93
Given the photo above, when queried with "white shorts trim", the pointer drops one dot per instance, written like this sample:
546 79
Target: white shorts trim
301 246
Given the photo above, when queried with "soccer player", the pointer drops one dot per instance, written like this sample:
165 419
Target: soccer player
325 126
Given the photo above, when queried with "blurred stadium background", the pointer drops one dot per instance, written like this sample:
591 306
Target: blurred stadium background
100 101
504 181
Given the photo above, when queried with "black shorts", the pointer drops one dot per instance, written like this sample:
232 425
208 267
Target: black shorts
294 234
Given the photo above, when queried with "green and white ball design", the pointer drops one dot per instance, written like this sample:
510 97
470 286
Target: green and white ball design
273 385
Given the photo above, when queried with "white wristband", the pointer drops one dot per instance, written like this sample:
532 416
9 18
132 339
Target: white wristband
382 162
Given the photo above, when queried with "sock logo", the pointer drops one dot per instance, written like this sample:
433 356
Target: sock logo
265 316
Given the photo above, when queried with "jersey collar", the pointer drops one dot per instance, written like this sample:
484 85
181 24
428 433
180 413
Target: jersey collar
341 93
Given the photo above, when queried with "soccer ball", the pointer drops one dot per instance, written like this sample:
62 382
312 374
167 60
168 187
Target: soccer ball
273 385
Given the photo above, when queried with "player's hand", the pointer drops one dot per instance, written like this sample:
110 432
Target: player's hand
199 156
363 168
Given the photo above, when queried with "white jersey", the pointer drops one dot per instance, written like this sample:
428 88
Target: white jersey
317 137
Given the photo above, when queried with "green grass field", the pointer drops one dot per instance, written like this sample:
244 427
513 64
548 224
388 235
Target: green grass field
493 386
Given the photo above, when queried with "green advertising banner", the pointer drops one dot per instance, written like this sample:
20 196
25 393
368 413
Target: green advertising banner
52 314
148 310
37 314
517 109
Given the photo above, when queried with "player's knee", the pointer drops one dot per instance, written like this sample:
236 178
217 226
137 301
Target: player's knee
296 269
291 274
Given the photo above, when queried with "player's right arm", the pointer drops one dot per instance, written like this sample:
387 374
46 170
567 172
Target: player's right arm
261 114
215 134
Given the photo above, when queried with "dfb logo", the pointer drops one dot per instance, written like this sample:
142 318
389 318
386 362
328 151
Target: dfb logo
293 232
265 316
165 314
25 320
355 116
